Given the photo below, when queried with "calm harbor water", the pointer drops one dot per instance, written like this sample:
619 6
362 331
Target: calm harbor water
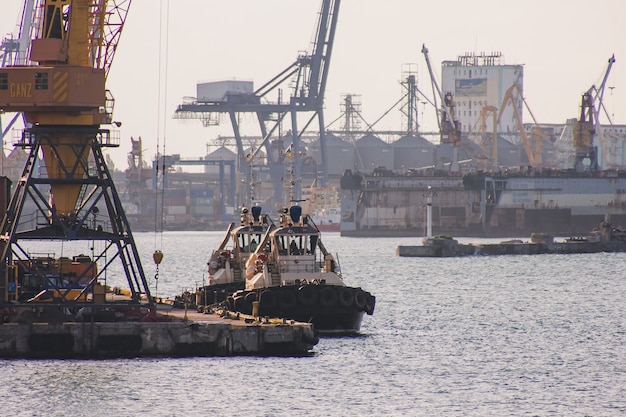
477 336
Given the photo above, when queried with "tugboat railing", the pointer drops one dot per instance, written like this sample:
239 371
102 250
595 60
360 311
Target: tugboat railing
298 266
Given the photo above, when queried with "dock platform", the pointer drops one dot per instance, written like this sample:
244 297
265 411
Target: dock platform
31 332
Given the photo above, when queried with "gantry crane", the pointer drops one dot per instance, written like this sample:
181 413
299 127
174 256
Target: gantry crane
62 94
306 78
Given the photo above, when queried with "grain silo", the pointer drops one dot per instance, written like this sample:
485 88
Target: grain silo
372 152
412 152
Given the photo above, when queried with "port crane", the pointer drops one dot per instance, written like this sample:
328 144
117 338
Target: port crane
533 143
487 142
588 126
449 128
61 92
306 80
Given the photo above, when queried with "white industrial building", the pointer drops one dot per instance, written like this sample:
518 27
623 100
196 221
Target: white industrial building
479 81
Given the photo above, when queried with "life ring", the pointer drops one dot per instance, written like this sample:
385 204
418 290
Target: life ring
328 297
267 301
287 300
346 297
359 300
307 295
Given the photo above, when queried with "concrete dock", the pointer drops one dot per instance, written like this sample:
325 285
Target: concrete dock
172 333
442 248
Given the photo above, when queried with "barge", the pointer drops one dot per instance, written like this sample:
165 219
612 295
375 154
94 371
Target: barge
606 239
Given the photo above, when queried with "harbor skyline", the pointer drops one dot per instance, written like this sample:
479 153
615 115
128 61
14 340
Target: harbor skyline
564 51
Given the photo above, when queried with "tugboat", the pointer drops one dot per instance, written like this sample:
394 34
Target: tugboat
283 271
228 262
292 275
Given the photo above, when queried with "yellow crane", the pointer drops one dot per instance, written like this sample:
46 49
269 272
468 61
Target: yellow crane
62 94
588 126
485 113
64 85
533 143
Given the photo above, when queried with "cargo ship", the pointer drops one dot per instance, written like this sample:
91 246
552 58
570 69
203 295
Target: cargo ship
508 203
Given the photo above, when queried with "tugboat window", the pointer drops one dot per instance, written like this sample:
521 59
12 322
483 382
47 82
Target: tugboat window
282 246
293 248
313 244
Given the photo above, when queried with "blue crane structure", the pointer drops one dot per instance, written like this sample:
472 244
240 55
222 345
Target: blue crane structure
307 76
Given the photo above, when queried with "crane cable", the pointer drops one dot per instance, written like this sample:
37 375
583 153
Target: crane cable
157 256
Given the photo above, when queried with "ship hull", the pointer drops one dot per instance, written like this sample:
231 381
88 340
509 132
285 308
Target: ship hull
330 314
334 323
332 309
561 204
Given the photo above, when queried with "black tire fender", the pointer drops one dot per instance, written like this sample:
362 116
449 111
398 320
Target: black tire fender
307 295
267 300
328 297
249 299
360 299
287 300
239 303
370 303
346 297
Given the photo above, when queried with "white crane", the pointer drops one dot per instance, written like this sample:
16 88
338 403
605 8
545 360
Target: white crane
598 94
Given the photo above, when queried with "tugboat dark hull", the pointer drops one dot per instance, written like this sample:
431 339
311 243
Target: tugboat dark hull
335 322
332 309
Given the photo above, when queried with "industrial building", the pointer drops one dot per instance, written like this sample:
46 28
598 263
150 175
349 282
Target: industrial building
478 81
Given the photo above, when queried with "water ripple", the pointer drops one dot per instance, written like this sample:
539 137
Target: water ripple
479 336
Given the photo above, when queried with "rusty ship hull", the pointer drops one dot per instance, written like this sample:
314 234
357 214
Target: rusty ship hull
562 203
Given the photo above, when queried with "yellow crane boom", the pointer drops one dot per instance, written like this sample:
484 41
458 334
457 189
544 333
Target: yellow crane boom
534 155
65 84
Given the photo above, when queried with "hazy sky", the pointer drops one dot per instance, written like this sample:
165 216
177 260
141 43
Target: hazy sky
564 46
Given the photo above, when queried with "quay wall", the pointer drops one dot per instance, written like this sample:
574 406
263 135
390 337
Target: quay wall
455 250
136 339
